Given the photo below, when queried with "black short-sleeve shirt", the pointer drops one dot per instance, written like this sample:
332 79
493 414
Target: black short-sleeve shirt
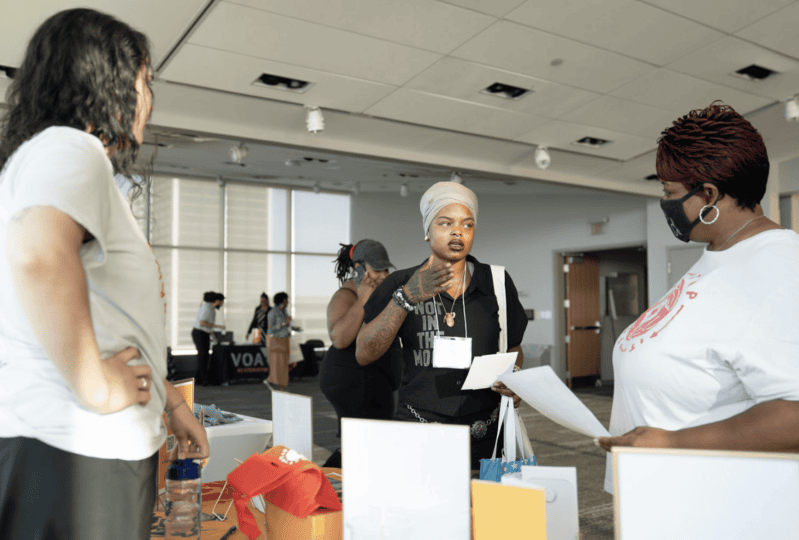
439 389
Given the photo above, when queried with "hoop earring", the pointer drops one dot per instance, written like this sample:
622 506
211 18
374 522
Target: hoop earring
702 211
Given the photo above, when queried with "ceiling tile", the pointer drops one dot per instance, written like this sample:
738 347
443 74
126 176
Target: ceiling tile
479 150
528 51
627 27
497 8
433 26
717 61
163 22
455 78
616 114
220 70
777 31
727 15
456 115
243 30
681 93
559 134
635 170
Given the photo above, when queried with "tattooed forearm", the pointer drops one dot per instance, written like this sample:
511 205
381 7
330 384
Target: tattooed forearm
376 337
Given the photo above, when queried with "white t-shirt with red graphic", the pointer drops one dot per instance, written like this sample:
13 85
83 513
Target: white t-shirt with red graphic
67 169
724 338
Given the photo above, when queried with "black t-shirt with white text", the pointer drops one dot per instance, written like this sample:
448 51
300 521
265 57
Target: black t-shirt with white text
439 389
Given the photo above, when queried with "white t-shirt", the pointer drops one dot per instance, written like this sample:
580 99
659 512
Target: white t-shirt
725 338
67 169
206 313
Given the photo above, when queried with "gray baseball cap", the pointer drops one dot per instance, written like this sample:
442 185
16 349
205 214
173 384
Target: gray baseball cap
372 252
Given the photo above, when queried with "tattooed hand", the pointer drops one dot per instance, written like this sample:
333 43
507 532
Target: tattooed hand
428 281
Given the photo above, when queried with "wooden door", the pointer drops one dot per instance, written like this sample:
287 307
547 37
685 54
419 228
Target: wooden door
583 343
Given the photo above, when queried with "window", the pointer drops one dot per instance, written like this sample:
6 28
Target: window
235 239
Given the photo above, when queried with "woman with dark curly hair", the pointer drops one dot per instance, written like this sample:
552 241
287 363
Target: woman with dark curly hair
357 391
715 363
82 387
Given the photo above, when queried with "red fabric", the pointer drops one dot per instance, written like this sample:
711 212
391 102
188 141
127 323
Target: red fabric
299 488
352 249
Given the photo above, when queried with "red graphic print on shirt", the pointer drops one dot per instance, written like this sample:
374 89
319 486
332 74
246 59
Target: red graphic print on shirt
652 319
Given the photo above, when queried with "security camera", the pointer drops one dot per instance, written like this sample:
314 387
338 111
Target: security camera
238 153
792 110
542 158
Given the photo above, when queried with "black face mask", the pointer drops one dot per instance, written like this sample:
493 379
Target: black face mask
675 215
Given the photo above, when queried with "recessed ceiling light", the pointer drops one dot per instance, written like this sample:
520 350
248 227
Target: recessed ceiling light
651 177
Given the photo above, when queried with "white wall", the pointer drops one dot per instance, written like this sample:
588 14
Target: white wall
524 234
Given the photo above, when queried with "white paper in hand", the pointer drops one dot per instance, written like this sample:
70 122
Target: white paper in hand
545 392
486 370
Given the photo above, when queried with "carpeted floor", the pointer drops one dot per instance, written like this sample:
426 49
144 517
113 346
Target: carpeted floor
554 445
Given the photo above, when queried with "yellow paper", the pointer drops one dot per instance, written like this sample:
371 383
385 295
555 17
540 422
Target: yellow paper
501 511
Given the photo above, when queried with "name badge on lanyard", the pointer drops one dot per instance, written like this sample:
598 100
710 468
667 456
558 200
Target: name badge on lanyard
452 352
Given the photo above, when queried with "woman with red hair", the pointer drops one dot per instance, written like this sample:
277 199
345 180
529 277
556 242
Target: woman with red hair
715 363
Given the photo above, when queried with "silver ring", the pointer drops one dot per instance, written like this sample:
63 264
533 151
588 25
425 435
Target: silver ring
143 383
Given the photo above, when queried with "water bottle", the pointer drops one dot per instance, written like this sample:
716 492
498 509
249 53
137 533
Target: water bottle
183 503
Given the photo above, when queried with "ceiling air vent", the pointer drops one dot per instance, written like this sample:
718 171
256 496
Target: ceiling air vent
592 142
755 73
10 72
651 177
282 83
505 91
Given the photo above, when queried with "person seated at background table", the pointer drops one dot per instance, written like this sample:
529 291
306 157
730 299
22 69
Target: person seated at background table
82 341
201 332
715 363
454 293
278 341
259 320
357 391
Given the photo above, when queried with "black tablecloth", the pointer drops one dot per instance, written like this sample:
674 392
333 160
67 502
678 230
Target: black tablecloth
231 362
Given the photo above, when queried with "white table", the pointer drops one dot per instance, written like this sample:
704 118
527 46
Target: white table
230 442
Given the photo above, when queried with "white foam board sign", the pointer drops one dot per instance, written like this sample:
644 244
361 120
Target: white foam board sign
560 484
412 478
292 422
698 495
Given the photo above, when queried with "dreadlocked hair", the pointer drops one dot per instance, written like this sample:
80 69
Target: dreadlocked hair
78 71
719 146
344 262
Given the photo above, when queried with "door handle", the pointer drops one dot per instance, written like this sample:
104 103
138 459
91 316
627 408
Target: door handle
596 327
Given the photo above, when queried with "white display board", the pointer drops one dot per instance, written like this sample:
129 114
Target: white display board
663 494
560 484
292 422
412 477
232 444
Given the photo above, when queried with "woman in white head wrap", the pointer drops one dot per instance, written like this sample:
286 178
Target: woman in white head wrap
451 294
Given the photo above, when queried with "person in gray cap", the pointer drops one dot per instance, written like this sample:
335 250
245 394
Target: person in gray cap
357 391
447 305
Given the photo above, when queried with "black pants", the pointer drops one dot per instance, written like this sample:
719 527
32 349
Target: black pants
481 447
202 340
50 494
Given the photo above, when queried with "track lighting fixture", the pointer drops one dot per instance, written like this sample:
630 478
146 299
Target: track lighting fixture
357 190
542 158
314 119
317 188
404 191
239 153
455 177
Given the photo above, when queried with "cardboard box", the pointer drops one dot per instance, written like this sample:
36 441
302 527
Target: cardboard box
321 525
231 442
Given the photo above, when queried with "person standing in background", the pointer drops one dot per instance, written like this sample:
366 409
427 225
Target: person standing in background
278 341
82 342
357 391
201 332
259 320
